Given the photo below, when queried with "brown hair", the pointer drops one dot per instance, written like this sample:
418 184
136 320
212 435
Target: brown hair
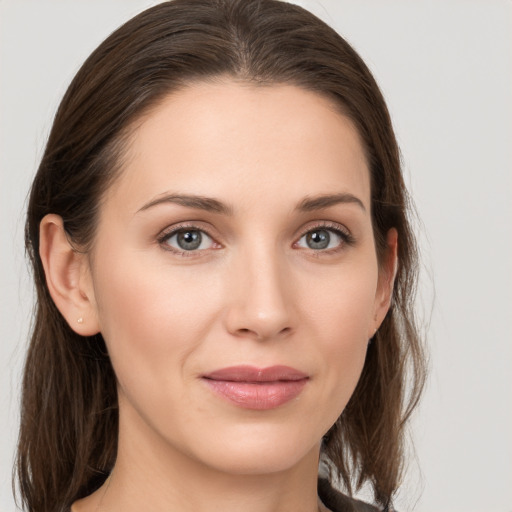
69 417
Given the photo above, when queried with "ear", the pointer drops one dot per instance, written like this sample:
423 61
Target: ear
68 277
387 274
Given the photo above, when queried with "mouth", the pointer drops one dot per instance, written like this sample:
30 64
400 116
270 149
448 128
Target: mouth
254 388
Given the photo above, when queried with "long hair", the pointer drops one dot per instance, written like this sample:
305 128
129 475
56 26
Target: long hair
69 417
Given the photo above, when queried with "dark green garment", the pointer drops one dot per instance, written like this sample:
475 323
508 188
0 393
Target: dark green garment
338 502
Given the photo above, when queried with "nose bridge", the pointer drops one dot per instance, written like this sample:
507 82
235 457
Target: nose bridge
260 305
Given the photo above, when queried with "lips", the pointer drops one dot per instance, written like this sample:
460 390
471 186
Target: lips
257 388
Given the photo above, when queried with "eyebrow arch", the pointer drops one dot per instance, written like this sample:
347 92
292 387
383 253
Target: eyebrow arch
324 201
191 201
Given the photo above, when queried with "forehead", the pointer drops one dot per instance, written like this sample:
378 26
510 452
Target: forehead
232 138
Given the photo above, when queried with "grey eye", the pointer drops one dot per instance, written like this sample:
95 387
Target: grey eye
320 239
189 240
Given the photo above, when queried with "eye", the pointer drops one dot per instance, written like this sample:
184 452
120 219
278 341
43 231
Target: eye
324 238
188 239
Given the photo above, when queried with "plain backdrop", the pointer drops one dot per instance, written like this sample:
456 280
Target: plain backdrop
445 68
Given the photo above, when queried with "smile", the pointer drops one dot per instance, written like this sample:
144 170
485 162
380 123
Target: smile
257 388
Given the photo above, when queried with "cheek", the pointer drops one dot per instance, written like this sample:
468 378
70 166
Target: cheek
148 316
344 304
342 316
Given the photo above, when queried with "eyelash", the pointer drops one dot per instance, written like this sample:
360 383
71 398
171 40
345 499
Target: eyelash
346 238
168 233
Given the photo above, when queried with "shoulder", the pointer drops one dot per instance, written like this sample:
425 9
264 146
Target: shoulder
338 502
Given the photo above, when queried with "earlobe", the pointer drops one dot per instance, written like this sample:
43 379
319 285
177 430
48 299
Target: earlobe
67 277
387 276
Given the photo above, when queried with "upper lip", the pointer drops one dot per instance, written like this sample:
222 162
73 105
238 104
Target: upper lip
247 373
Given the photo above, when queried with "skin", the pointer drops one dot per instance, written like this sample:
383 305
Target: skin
254 293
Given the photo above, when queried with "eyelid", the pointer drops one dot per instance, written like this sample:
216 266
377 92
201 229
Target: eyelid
325 224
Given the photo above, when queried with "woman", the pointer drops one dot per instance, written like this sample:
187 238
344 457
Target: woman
225 273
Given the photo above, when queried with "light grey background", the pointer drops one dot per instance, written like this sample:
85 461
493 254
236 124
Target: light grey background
445 67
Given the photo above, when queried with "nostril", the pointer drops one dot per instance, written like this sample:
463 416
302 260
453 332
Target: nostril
260 335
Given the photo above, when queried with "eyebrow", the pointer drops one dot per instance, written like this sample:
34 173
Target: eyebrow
191 201
215 206
325 201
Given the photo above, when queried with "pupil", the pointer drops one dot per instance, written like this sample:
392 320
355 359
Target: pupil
318 239
189 240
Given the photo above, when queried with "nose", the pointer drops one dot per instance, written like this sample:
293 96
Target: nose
260 297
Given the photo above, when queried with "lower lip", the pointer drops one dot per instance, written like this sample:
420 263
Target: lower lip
257 395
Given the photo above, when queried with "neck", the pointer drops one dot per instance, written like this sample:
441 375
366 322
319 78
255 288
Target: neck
151 475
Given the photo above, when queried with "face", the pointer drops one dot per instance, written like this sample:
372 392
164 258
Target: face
234 275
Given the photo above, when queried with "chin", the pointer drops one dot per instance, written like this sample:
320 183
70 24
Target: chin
257 452
271 462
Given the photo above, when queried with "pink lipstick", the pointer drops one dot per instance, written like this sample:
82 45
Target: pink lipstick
257 388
